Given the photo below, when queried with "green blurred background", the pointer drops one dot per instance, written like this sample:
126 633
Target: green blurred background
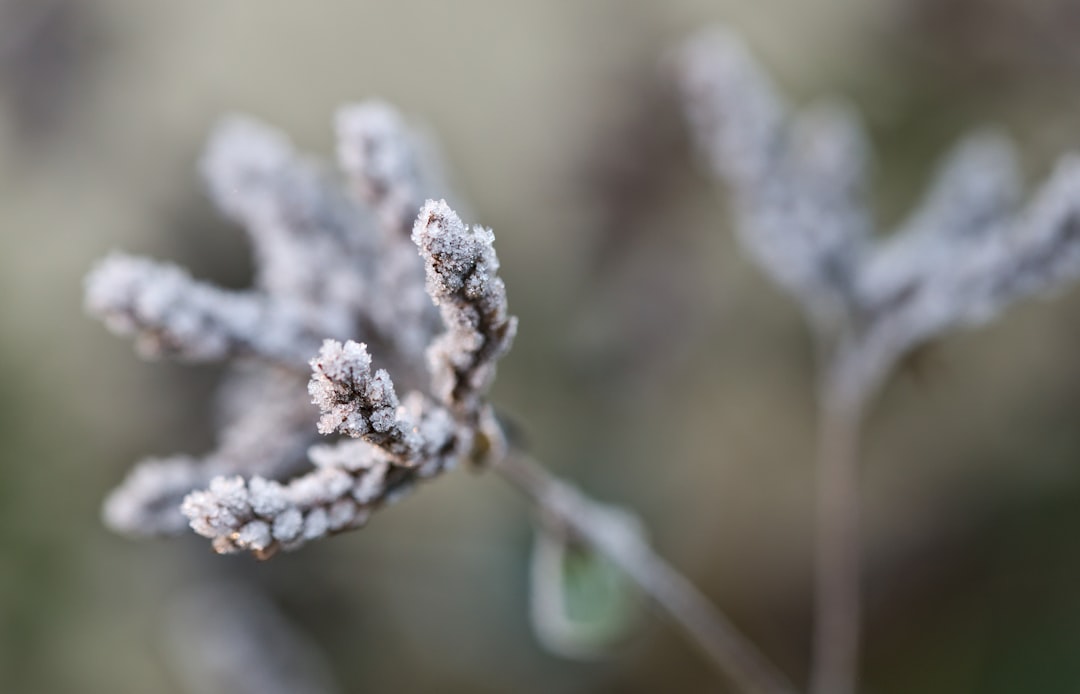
654 365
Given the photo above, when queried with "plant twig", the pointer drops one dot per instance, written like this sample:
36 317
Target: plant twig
600 528
837 595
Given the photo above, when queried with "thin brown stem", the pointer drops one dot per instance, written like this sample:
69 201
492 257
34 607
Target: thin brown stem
837 601
599 527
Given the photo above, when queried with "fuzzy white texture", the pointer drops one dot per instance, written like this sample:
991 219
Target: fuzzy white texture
799 178
462 279
800 182
172 314
266 431
351 479
147 503
377 152
360 403
380 156
325 271
310 242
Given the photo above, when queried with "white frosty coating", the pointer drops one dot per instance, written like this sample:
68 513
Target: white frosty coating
735 112
351 479
358 403
799 179
270 430
973 197
377 152
310 241
1035 253
462 280
321 272
961 258
171 314
147 502
267 435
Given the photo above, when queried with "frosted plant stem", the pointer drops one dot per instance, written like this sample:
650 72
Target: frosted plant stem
701 622
834 666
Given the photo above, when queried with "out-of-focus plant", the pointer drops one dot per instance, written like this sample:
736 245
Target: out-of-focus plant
799 179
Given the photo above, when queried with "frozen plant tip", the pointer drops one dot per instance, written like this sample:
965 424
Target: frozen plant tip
461 268
356 402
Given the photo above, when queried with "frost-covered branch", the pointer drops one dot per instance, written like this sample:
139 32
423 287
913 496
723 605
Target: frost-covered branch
310 242
350 480
462 280
798 178
171 314
379 155
266 430
322 270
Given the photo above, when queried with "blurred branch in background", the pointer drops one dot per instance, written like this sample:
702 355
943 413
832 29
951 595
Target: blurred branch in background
967 253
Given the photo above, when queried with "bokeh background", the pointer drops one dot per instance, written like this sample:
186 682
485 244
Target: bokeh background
654 365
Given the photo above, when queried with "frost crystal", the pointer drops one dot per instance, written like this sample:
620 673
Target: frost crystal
350 480
461 266
328 267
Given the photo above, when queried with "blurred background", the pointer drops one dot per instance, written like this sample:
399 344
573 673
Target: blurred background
654 365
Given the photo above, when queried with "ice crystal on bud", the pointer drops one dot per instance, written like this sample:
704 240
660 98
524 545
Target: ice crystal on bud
358 403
